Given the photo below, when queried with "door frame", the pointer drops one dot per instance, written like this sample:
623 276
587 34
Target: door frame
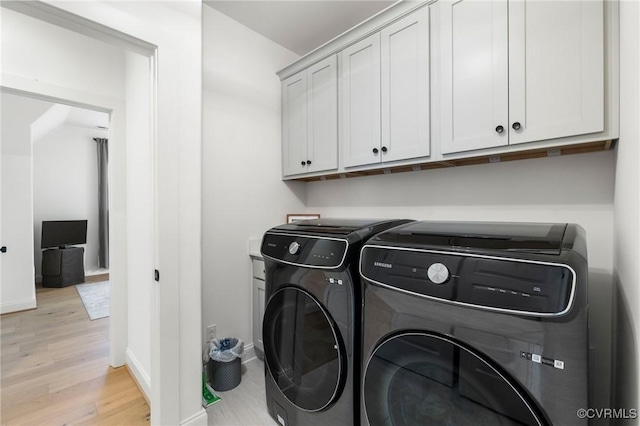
116 108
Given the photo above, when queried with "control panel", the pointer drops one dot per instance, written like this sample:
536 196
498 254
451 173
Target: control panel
489 282
319 252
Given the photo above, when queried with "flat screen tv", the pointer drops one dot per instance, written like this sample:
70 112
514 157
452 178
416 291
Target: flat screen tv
61 233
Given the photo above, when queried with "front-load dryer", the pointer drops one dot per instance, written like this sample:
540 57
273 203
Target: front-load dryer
312 319
475 324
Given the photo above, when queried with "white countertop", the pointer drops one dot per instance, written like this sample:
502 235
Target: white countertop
254 247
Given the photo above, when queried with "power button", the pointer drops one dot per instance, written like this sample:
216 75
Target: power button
294 247
438 273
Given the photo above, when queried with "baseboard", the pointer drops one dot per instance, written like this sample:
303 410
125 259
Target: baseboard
249 353
139 376
20 305
198 419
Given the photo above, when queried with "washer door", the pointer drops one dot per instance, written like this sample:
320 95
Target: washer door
302 349
425 379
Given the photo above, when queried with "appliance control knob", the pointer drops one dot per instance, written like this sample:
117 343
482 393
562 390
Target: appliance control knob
438 273
294 247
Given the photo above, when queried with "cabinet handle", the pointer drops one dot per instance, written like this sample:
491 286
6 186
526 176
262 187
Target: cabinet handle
384 149
308 162
375 150
303 163
499 129
516 126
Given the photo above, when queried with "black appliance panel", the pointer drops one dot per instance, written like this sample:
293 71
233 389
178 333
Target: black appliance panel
425 379
332 226
541 238
532 288
298 250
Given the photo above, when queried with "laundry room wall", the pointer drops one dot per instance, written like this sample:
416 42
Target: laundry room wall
626 214
575 189
243 194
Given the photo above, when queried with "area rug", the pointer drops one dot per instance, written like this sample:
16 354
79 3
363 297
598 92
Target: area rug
95 297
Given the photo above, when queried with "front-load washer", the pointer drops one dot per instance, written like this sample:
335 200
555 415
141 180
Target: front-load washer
475 324
311 319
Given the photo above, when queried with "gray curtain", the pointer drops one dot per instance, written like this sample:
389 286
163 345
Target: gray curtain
103 202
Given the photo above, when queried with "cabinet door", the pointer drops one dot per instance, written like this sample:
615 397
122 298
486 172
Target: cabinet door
556 63
474 74
294 124
322 113
360 102
404 47
258 313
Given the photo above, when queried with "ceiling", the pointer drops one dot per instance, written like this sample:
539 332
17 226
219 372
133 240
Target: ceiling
299 25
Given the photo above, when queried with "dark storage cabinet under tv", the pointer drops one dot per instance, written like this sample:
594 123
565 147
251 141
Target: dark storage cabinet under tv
63 266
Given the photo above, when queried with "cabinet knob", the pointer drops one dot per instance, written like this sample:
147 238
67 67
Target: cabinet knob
516 126
375 150
303 162
3 249
308 162
499 129
384 149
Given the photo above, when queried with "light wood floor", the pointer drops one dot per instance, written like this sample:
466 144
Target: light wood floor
55 367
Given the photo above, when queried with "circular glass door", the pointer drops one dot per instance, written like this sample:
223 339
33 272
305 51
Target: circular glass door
302 349
424 379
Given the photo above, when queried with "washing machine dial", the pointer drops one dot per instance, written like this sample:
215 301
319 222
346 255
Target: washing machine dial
294 247
438 273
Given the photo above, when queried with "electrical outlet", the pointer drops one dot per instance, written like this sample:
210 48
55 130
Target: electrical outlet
211 332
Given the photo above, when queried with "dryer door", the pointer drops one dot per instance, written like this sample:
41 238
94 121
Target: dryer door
302 348
427 379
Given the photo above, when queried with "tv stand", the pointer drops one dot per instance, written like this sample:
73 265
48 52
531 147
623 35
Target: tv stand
62 267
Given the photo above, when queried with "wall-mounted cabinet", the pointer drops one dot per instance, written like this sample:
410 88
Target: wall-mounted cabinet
453 82
384 94
310 119
519 71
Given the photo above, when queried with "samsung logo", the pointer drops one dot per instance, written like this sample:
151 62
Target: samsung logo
383 265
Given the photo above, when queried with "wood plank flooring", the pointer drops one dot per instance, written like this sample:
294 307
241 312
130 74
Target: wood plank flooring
55 367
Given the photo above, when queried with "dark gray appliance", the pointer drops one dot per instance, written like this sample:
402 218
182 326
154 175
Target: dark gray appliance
475 324
312 318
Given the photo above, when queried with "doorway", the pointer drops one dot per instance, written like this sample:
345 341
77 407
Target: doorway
127 76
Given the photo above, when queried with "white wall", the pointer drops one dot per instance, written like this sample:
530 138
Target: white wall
56 55
575 189
65 186
627 213
17 287
242 193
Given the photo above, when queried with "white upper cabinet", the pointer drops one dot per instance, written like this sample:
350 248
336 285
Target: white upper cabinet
556 69
519 71
360 102
294 124
405 87
475 97
322 104
310 119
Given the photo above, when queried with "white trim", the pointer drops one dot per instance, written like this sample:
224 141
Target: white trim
20 305
140 375
249 353
198 419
